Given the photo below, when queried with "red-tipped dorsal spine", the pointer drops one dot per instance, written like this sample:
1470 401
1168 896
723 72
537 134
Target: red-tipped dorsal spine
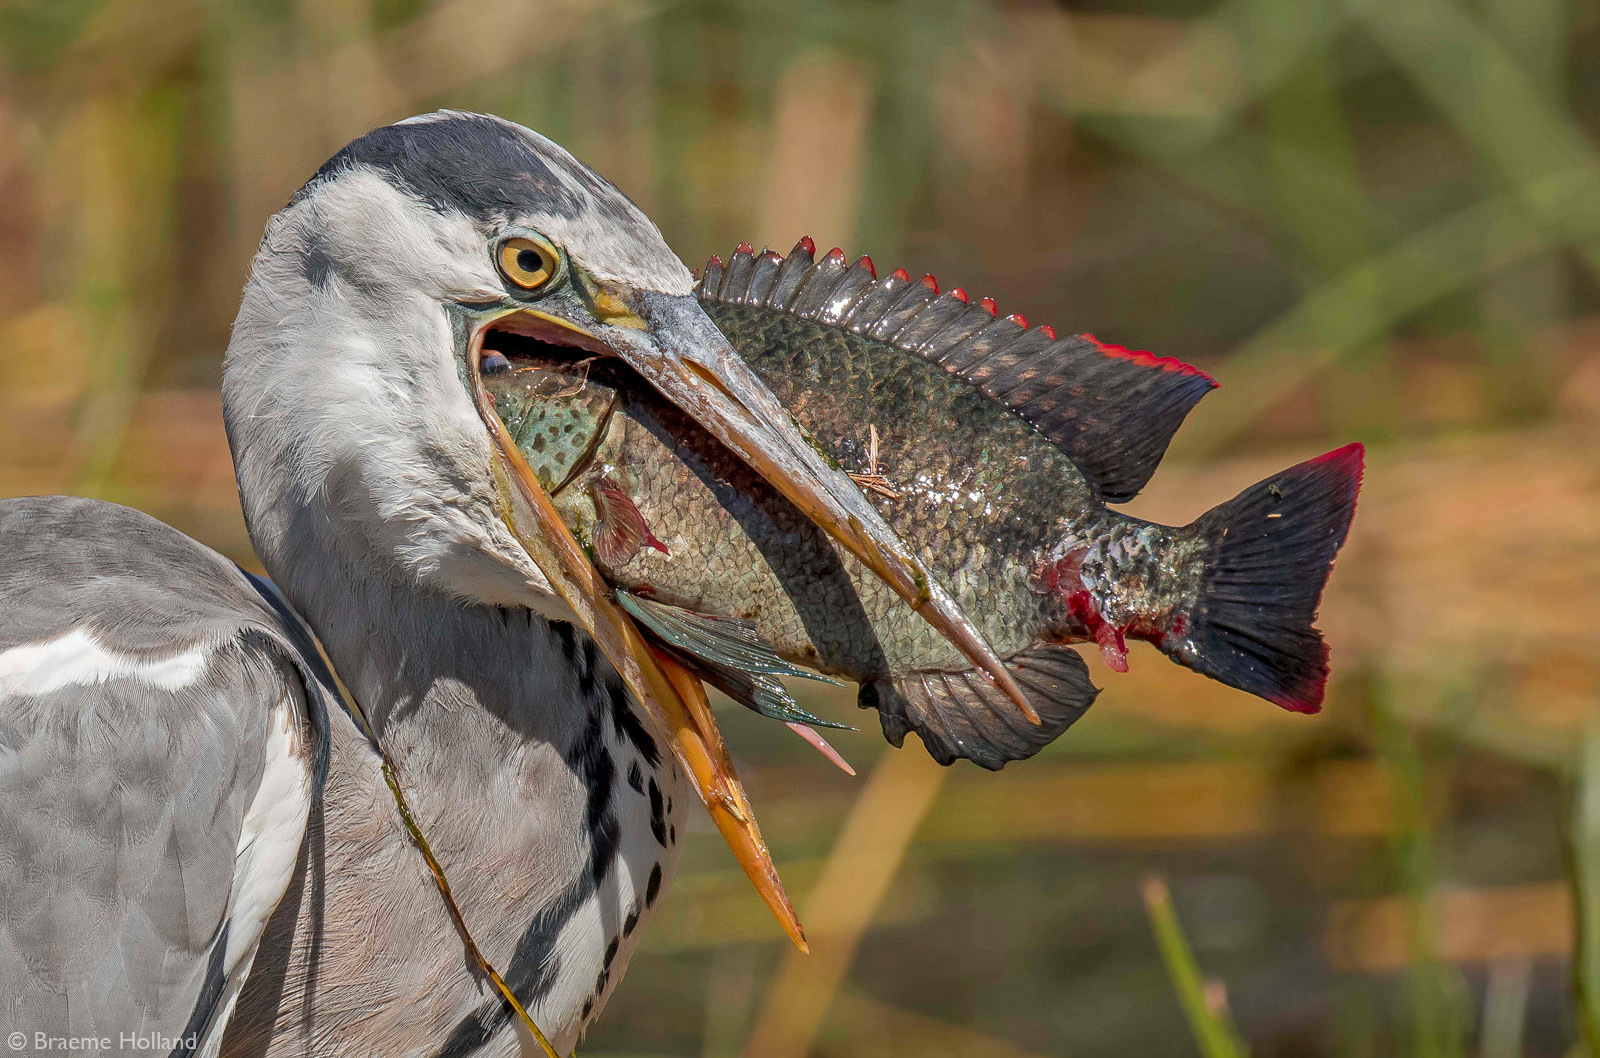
992 305
1019 319
836 254
958 294
1139 356
806 246
745 247
1048 331
930 282
867 261
716 260
900 274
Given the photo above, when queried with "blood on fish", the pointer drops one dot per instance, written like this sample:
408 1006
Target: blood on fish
1063 578
1113 648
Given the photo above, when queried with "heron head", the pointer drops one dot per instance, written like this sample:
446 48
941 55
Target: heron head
353 398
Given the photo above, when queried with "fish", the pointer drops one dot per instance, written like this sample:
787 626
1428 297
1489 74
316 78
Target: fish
995 450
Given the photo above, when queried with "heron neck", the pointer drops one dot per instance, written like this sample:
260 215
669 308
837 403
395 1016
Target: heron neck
482 710
407 655
504 731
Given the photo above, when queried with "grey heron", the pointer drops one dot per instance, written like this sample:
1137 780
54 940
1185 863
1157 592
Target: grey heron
200 848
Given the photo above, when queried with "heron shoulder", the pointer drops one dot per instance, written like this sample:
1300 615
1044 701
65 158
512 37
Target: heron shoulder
160 728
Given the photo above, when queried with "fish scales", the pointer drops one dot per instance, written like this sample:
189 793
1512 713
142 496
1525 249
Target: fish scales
738 548
982 495
982 499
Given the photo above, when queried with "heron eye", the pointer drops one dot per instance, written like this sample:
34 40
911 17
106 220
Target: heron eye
527 264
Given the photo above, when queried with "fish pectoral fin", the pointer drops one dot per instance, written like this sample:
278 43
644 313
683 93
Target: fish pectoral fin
620 530
729 654
756 691
960 714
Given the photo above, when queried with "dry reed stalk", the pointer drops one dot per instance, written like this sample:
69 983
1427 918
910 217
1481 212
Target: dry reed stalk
1473 925
815 159
860 868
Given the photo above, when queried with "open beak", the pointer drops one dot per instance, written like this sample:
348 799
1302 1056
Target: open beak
672 695
676 348
683 355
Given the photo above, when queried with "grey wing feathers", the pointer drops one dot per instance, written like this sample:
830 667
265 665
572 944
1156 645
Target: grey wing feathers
158 736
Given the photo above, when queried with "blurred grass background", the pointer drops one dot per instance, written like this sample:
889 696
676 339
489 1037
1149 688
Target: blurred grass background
1371 219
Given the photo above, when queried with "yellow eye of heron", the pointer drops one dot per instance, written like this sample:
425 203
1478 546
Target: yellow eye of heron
526 263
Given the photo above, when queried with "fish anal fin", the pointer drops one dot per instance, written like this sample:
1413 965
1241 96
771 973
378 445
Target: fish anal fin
961 715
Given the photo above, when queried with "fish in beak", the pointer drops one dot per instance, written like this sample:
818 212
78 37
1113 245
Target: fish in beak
668 692
683 355
671 343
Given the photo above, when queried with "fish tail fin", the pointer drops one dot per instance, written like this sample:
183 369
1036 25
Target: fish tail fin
1269 552
963 714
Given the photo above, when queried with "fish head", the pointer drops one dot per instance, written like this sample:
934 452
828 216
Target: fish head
554 409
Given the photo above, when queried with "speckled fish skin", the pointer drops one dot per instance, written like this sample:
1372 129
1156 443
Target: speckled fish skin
554 418
987 503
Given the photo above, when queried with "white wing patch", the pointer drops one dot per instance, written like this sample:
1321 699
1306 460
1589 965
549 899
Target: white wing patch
269 844
76 658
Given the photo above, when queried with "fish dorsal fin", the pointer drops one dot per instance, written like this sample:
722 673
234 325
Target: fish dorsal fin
1111 410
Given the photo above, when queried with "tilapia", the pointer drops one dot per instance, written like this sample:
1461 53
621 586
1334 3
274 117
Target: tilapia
991 448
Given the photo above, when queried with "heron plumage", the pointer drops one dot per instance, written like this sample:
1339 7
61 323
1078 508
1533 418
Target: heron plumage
549 802
513 739
157 723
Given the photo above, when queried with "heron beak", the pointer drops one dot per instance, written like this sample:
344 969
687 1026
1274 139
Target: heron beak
671 695
677 349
